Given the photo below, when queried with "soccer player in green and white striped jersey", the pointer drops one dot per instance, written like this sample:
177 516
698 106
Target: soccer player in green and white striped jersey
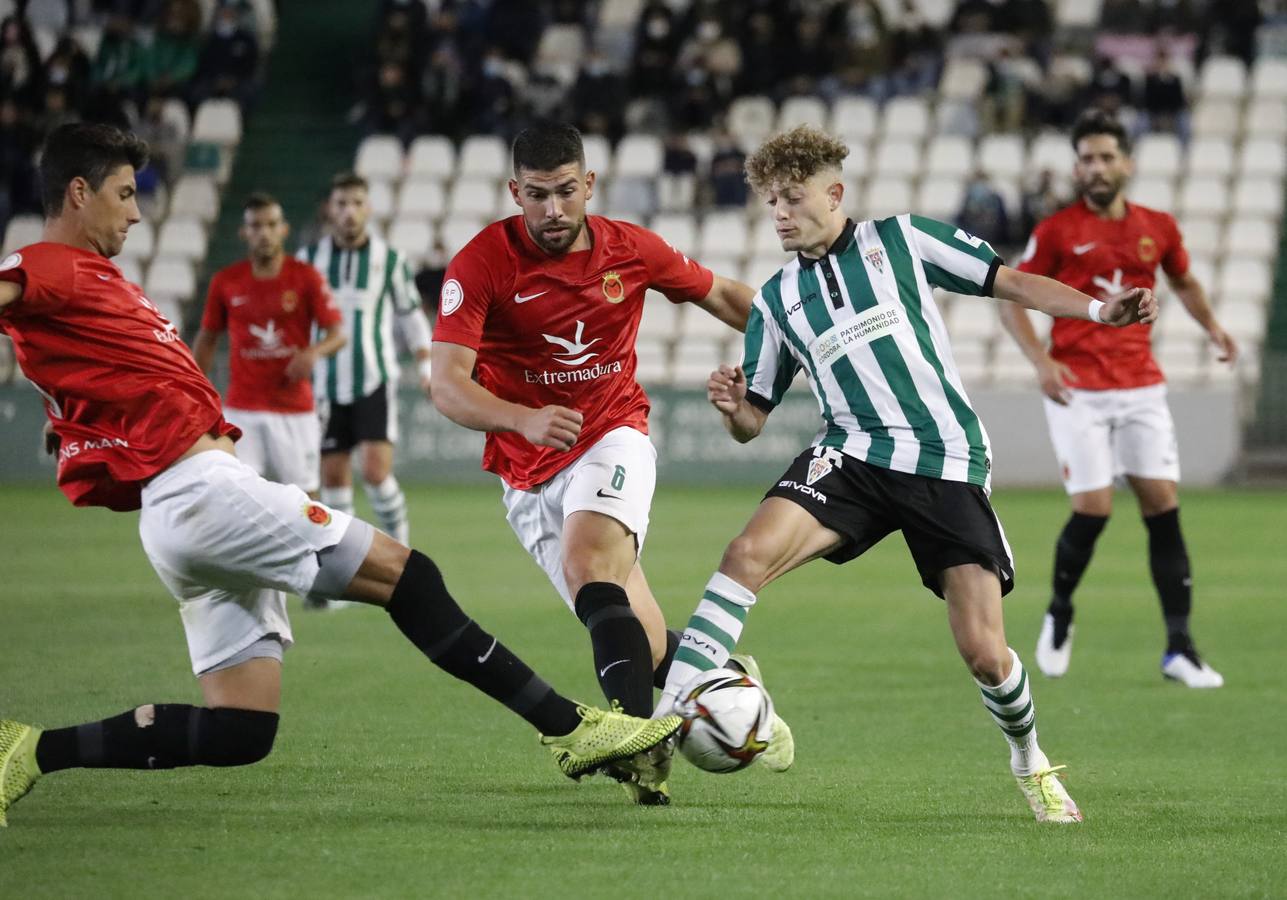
357 388
900 448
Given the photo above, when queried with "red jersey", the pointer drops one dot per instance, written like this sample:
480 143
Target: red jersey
268 320
560 330
122 391
1101 257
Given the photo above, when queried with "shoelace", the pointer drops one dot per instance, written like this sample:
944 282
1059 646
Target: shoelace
1047 793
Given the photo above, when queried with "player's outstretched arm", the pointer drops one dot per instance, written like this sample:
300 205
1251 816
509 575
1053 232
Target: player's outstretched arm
203 349
463 400
1194 298
729 301
1057 299
9 293
726 391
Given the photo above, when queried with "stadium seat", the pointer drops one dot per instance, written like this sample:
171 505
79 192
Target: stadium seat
1073 14
413 237
723 233
653 366
634 195
1245 280
634 217
696 358
1156 193
697 323
802 111
174 112
1267 119
1182 359
195 197
973 319
1269 78
505 206
679 230
170 280
1202 265
484 155
472 197
1158 156
1222 76
660 317
888 197
638 156
939 197
971 359
379 156
759 269
381 200
676 192
950 154
181 239
956 117
1051 151
751 118
218 122
561 46
1200 234
963 78
1258 196
421 199
1215 117
853 119
1244 320
764 236
1210 156
1205 196
897 157
598 154
906 117
1251 238
141 242
131 268
1001 155
1262 156
431 156
21 231
456 233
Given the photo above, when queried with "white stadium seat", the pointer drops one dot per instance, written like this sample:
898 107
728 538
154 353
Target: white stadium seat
802 111
1158 155
431 156
696 358
170 280
697 323
1223 76
195 197
421 199
963 78
678 229
660 317
956 117
598 154
182 239
1001 155
1210 156
1077 13
906 117
888 197
174 112
456 233
638 156
1215 117
484 155
1245 280
140 242
1156 193
652 362
1269 78
636 196
1244 320
218 122
1251 238
1051 151
950 154
760 269
506 207
131 268
473 198
561 45
381 200
853 118
379 156
764 236
939 197
1258 197
676 191
1262 156
1200 233
413 237
21 231
723 233
751 118
973 319
1204 196
1267 119
897 157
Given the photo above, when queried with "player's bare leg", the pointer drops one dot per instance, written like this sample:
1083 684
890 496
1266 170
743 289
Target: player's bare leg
1073 551
337 480
382 489
1168 559
973 595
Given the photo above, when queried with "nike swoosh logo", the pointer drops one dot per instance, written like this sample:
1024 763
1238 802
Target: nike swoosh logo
107 278
519 298
604 670
483 658
1079 249
606 496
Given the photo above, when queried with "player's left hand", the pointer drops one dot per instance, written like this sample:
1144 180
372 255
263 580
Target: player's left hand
1128 307
1226 347
301 364
51 439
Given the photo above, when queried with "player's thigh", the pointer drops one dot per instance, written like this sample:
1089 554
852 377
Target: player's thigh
255 683
1081 434
780 536
295 450
974 613
1144 440
375 457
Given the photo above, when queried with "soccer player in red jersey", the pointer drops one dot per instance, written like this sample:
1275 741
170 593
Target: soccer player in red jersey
269 305
136 425
544 307
1105 396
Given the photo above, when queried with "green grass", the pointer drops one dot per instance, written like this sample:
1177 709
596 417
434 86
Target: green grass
391 779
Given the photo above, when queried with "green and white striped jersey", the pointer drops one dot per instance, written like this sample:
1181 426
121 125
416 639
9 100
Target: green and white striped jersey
863 325
372 285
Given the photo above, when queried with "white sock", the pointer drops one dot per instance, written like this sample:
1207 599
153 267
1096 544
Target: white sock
1010 704
390 506
339 498
711 635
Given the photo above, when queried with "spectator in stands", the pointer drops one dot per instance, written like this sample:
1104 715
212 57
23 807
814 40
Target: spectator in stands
678 157
1232 28
399 40
915 51
983 211
165 140
492 100
58 111
117 69
1040 200
1031 22
727 180
171 59
656 48
18 188
19 63
68 68
599 97
229 59
440 88
1124 16
761 54
393 105
515 27
1005 99
861 43
1165 106
973 17
1110 88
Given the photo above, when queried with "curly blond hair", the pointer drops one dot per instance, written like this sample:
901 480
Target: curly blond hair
793 157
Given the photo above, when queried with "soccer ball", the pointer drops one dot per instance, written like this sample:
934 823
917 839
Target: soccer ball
728 720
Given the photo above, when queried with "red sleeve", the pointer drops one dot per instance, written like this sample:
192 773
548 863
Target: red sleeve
215 315
670 271
469 286
46 280
321 302
1176 261
1041 256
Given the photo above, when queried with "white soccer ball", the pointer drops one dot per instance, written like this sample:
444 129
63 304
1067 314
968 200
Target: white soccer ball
728 720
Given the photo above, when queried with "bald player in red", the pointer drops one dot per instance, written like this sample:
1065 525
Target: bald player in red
1105 395
136 425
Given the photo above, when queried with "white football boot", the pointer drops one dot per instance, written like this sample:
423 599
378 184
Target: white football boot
1190 671
1051 660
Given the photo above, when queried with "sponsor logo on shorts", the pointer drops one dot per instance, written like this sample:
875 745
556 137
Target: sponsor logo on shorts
318 514
600 493
793 485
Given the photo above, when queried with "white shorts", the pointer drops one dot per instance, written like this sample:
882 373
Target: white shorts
615 477
282 447
228 545
1101 435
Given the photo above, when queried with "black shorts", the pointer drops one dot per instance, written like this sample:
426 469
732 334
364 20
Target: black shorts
945 523
371 418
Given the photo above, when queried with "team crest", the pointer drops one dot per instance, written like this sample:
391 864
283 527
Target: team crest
876 258
818 467
290 300
614 291
1147 249
318 514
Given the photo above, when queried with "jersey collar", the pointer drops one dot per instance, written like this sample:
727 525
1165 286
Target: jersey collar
837 246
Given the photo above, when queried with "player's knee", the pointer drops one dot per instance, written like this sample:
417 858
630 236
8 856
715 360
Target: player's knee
987 664
746 561
237 737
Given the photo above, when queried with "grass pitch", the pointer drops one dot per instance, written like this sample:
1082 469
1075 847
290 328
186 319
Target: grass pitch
390 779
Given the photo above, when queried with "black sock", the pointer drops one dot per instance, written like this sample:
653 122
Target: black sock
663 668
622 656
1073 551
1168 560
161 736
429 617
